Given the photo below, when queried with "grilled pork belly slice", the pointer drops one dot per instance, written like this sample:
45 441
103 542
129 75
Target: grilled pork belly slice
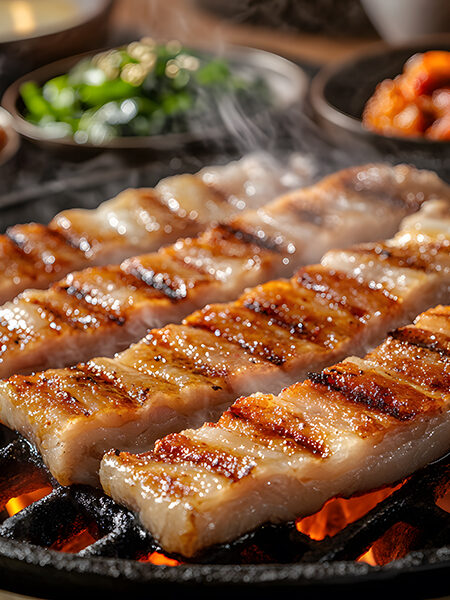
273 335
101 311
140 220
358 425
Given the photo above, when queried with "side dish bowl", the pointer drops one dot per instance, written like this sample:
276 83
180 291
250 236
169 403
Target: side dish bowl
83 31
339 93
285 80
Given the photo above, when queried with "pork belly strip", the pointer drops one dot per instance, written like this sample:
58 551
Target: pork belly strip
358 425
182 375
138 220
101 311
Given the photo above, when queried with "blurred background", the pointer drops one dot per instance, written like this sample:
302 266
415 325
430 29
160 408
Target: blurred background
321 122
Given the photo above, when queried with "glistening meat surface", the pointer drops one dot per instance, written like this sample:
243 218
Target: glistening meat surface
181 375
358 425
102 310
140 220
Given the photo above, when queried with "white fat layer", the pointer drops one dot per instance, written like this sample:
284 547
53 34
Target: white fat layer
84 444
122 231
280 492
250 180
86 440
60 351
421 295
261 377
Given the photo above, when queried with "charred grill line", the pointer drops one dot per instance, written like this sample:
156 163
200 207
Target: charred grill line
274 426
324 290
398 257
177 448
96 308
264 352
265 243
18 248
158 281
338 381
122 537
273 316
422 338
21 240
95 375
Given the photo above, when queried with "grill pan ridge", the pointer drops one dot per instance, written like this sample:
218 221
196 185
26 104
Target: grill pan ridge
298 563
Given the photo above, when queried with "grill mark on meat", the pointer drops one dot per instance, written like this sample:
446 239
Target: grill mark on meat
163 340
110 388
67 400
130 280
272 421
23 256
385 193
418 365
297 310
355 296
420 259
26 240
58 316
314 216
150 201
167 281
161 282
422 338
15 262
195 266
45 390
85 297
231 238
311 326
75 239
221 241
178 448
265 243
160 480
274 314
97 312
374 390
203 320
72 237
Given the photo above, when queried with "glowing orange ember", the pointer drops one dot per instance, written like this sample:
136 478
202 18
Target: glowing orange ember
15 505
337 513
77 541
157 558
444 501
368 557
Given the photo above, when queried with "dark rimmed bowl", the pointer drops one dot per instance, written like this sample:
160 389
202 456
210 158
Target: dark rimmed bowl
287 82
86 32
339 93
